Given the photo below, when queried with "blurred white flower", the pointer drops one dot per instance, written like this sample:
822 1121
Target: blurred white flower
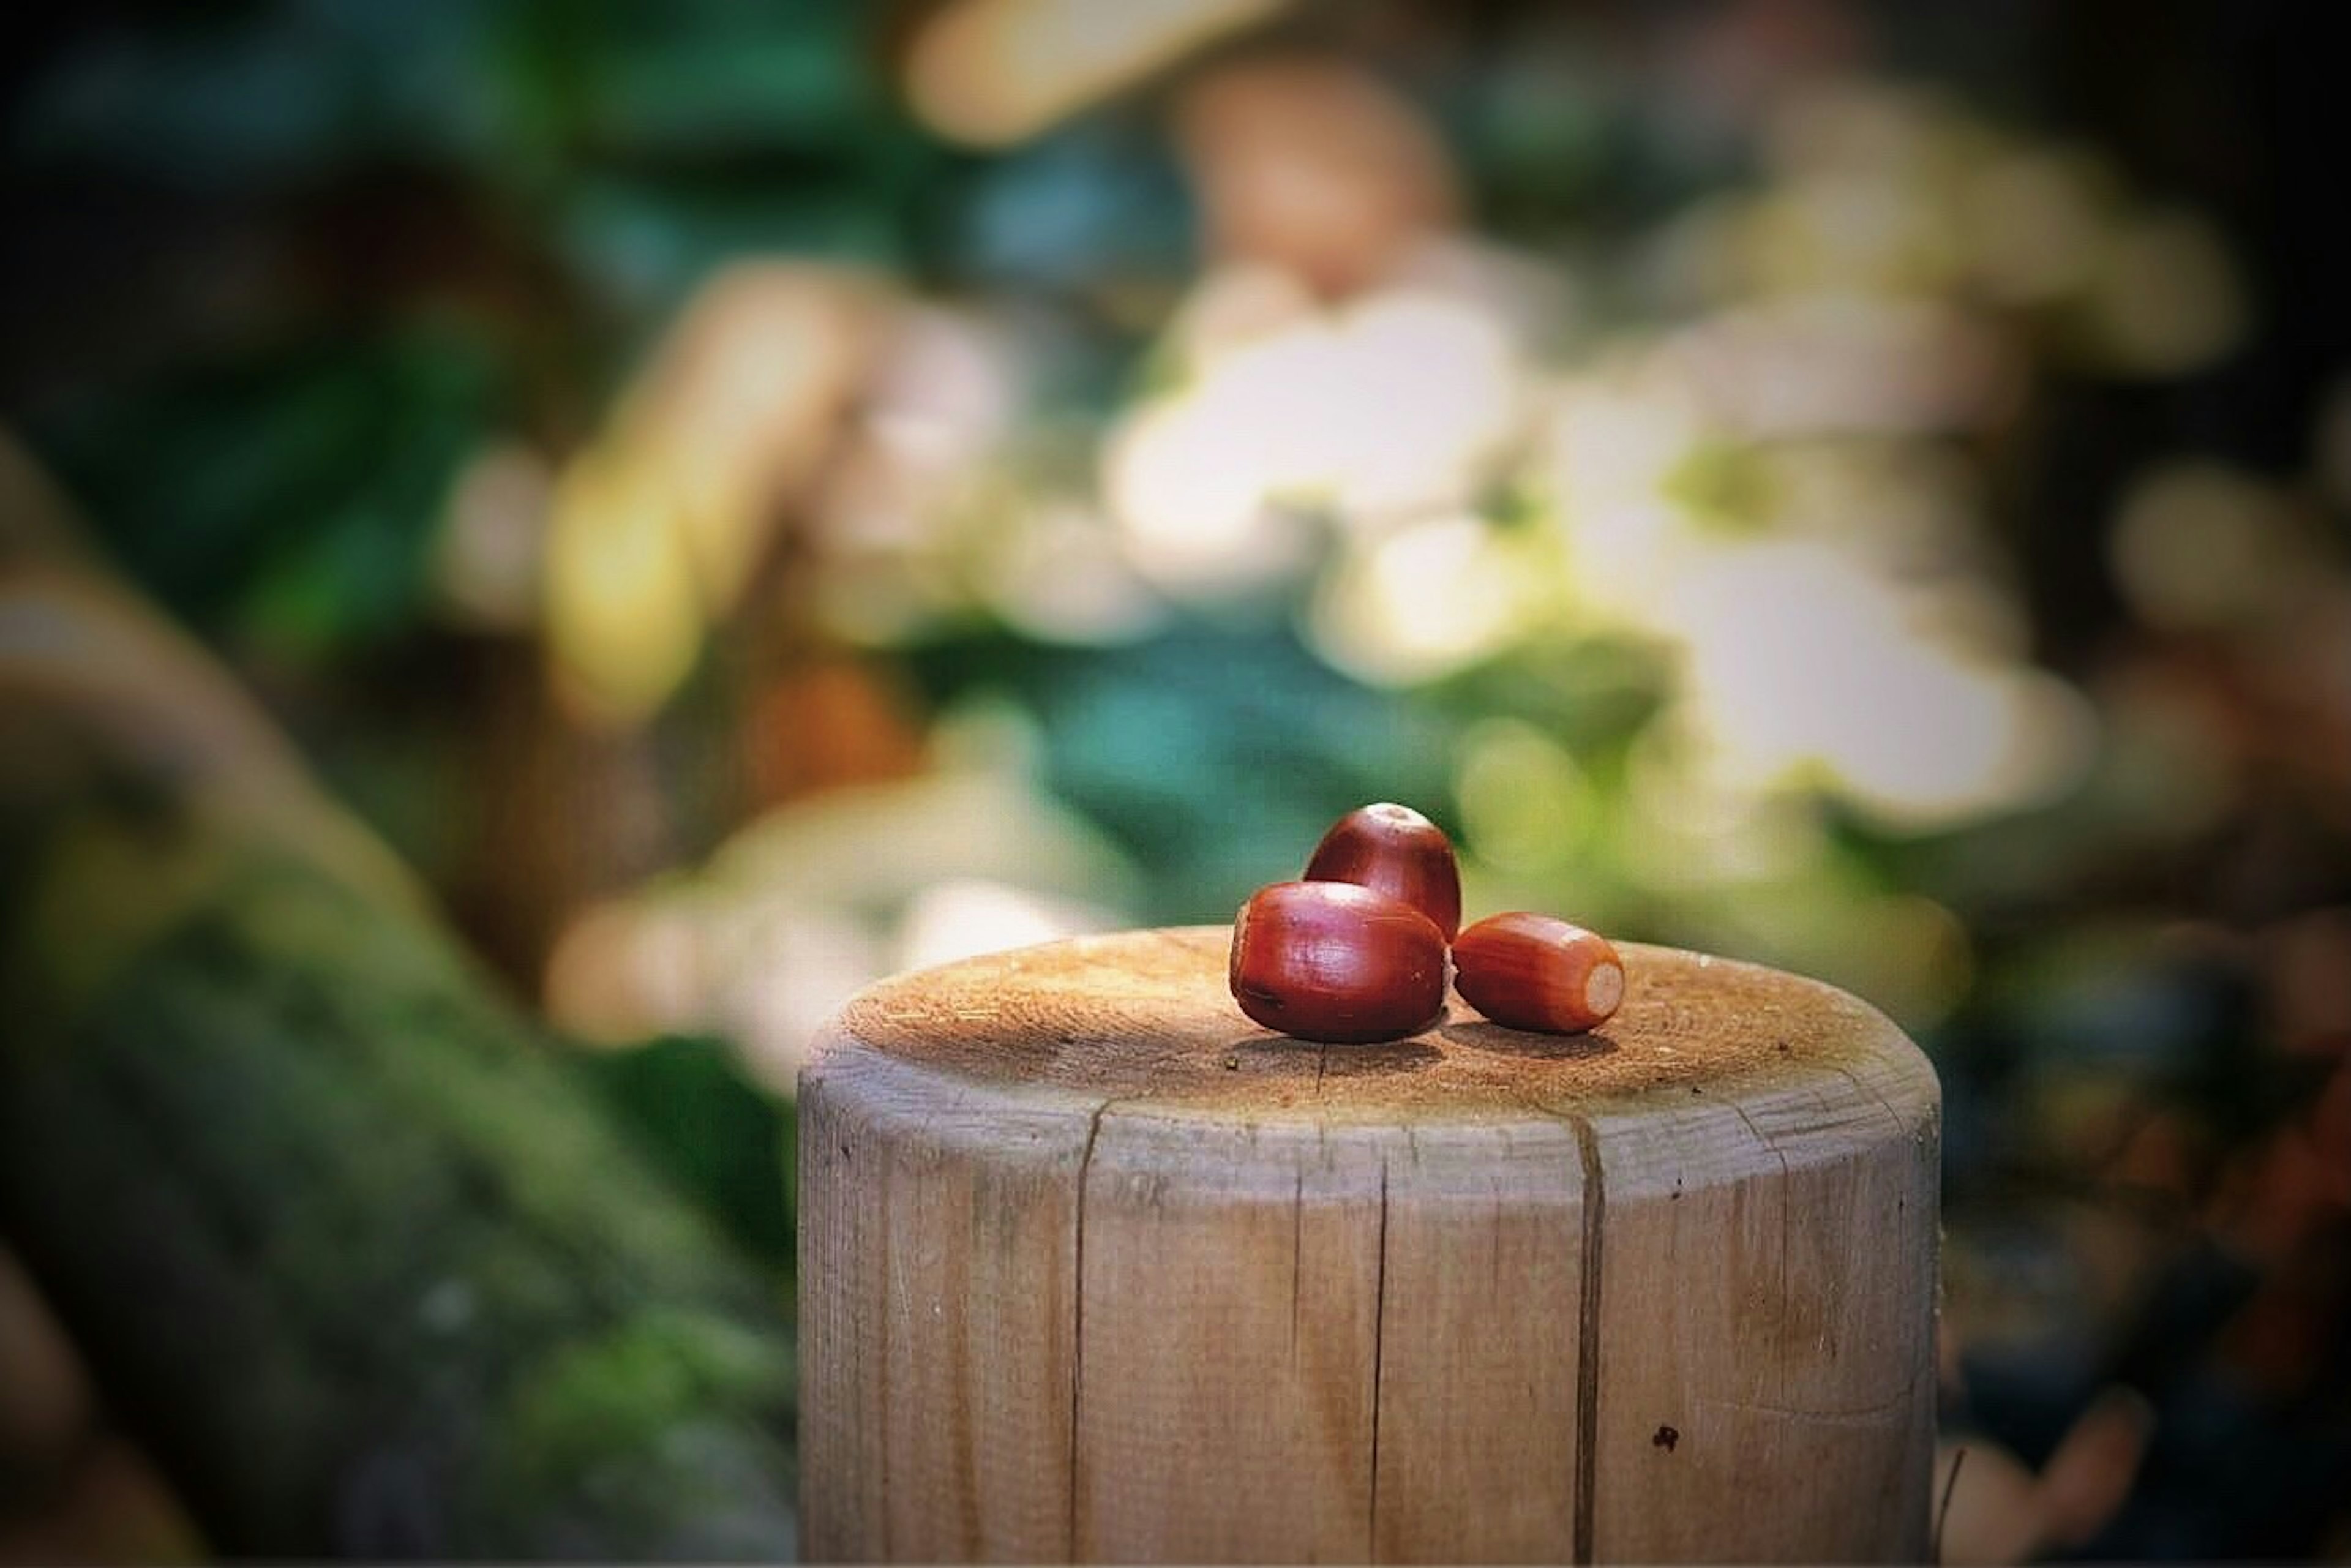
1826 364
1796 659
806 905
941 397
1617 438
962 917
1233 304
1425 390
1530 298
786 976
1054 569
627 969
1902 508
1424 600
1696 825
1190 483
1394 406
1609 449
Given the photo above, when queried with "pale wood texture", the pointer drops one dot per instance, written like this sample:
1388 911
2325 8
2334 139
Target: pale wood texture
1092 1266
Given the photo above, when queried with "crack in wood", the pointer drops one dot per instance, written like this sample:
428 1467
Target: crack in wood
1379 1347
1887 1105
1943 1514
1297 1251
1078 1314
1587 1347
1787 1177
1593 1201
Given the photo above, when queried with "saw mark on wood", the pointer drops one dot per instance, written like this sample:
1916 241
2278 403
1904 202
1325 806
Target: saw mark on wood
1874 1415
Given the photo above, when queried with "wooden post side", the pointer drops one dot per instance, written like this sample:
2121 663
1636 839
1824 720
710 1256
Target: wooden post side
1229 1341
1478 1364
1766 1329
937 1256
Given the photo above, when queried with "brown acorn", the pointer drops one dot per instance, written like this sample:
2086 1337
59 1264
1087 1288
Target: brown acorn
1336 962
1538 972
1394 849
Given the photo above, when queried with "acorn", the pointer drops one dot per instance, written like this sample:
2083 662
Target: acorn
1394 849
1336 962
1538 972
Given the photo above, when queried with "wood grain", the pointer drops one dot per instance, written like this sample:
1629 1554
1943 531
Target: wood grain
1092 1268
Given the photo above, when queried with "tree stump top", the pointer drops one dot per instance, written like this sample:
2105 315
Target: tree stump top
1144 1016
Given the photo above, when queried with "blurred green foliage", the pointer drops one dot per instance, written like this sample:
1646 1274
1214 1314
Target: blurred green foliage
428 225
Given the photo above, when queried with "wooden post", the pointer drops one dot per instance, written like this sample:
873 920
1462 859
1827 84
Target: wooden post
1092 1268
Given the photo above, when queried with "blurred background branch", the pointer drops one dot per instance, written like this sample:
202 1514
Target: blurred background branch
310 1201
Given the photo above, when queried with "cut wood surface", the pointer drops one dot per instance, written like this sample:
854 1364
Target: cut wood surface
1094 1268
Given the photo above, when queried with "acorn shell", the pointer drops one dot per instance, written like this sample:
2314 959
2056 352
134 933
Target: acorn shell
1336 962
1538 972
1394 849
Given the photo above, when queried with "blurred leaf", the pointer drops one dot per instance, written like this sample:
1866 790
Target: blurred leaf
1217 758
648 241
230 96
712 1132
735 77
1076 208
1590 695
293 498
604 1395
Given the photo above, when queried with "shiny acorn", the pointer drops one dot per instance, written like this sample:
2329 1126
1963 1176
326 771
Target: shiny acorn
1336 962
1394 849
1538 972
